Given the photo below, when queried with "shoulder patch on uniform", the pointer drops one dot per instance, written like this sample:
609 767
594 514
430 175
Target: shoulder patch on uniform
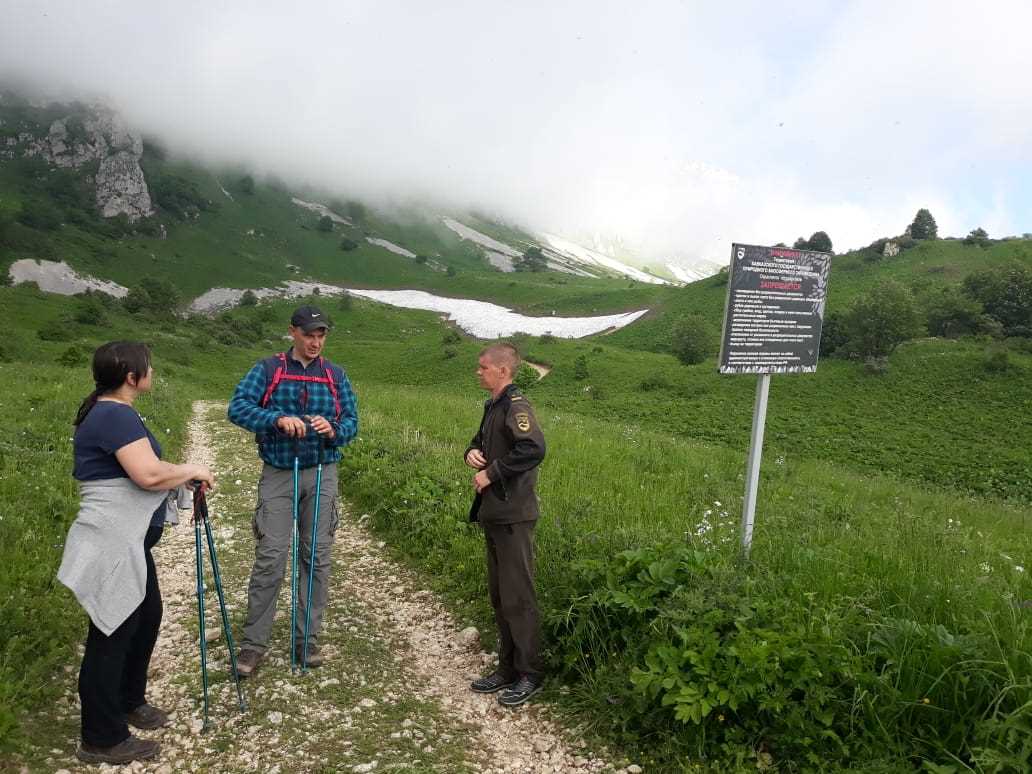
523 421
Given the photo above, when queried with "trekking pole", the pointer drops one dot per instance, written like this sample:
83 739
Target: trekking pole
201 506
293 563
311 560
199 556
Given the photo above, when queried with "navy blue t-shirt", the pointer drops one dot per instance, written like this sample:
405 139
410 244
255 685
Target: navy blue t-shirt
107 428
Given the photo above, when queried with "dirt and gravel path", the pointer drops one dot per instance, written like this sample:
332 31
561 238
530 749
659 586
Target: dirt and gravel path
393 695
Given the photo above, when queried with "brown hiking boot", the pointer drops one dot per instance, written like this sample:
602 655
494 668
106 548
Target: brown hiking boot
315 656
127 751
247 661
147 717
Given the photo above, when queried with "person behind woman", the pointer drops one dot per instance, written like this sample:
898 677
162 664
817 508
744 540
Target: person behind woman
107 559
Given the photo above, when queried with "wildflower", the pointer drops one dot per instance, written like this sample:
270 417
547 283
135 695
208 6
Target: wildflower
716 503
720 718
986 567
926 700
1019 568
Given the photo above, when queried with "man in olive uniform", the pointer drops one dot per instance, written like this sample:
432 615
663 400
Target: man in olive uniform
505 452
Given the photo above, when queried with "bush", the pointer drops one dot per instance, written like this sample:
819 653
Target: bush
996 359
176 195
694 339
951 313
40 214
356 211
531 260
345 303
653 382
820 241
348 244
546 338
450 271
833 333
977 236
246 185
1006 295
451 336
526 377
325 224
57 332
75 355
580 368
90 312
450 352
880 320
421 259
923 226
249 298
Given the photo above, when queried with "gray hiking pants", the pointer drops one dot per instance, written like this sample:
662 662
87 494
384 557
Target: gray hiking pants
273 518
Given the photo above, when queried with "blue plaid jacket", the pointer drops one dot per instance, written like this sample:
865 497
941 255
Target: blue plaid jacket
294 399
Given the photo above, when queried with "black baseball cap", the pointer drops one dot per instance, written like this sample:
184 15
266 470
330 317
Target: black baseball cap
308 318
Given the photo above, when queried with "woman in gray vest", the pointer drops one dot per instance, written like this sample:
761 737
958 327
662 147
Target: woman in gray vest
107 561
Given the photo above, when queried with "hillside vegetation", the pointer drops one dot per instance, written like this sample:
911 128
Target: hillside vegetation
882 623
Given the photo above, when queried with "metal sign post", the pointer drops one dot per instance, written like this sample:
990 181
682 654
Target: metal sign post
772 325
752 465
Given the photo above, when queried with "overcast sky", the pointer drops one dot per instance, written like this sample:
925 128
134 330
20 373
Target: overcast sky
676 126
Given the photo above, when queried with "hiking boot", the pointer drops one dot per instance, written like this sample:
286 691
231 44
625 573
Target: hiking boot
527 686
315 656
248 661
127 751
147 717
492 683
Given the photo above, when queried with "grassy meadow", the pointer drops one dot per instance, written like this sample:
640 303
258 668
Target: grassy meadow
881 624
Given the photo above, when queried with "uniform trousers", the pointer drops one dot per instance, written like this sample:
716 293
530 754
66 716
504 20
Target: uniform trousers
510 582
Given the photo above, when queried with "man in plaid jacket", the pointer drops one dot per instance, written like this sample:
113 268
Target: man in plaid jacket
297 404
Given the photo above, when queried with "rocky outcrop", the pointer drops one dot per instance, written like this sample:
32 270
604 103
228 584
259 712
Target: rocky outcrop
100 136
891 249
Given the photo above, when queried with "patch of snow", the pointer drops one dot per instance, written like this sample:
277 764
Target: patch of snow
217 299
595 258
390 246
500 261
59 277
227 193
490 321
465 232
321 209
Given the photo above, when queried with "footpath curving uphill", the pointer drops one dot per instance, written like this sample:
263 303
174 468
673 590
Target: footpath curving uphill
392 695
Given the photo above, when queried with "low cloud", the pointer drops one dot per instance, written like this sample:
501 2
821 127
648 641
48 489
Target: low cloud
674 126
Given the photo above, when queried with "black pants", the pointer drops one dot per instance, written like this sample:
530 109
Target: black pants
510 583
113 676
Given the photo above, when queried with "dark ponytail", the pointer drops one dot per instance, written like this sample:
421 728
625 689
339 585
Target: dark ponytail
112 364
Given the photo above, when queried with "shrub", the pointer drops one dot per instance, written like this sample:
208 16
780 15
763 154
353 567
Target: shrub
580 368
820 241
57 332
951 313
693 339
978 236
345 303
449 353
325 224
526 377
923 226
876 366
880 320
39 214
1006 295
996 359
75 355
833 333
421 259
450 271
531 260
246 185
546 338
249 298
176 195
90 312
348 244
451 336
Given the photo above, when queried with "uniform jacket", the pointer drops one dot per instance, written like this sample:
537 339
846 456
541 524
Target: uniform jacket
511 441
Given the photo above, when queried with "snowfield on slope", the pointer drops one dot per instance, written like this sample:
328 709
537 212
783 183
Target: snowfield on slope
490 321
58 277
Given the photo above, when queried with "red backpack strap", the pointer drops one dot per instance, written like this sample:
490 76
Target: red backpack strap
333 387
277 377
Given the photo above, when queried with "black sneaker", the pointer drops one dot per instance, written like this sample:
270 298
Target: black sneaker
527 686
492 683
127 751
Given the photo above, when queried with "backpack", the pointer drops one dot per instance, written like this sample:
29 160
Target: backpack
280 375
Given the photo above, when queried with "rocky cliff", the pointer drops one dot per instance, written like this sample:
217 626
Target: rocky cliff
100 136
